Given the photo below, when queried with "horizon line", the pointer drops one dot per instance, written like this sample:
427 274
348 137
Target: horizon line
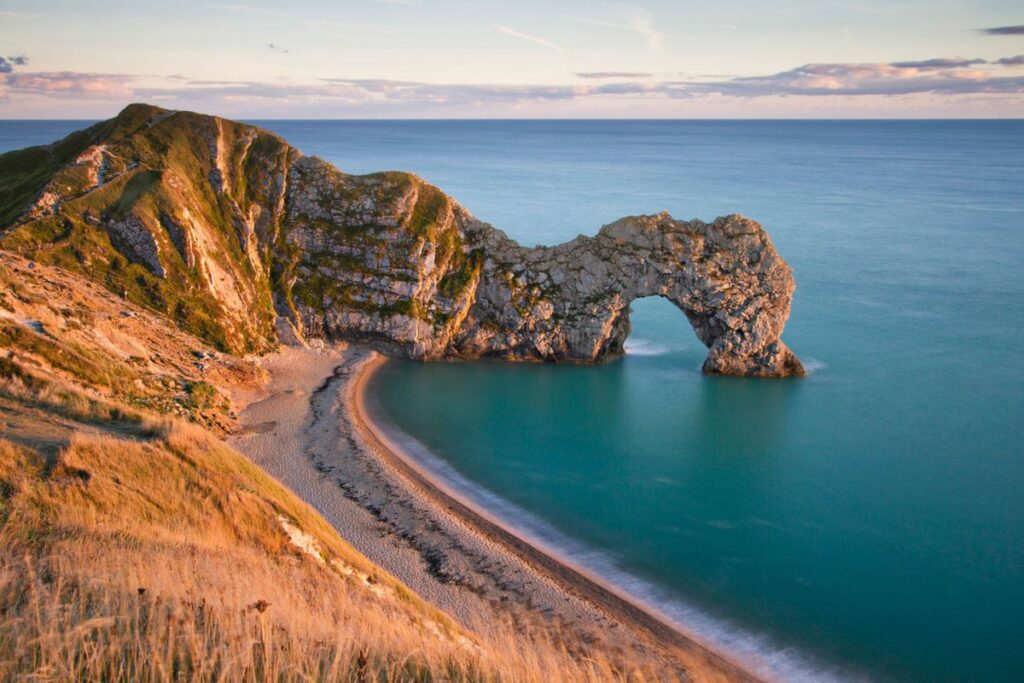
551 118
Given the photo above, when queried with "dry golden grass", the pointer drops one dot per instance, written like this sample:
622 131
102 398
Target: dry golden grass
58 397
137 548
58 327
170 557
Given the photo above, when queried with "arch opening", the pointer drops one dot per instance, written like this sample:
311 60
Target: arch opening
656 326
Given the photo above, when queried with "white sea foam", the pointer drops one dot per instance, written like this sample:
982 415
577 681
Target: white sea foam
760 653
812 365
645 347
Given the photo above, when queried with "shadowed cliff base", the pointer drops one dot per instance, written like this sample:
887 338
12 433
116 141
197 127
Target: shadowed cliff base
244 242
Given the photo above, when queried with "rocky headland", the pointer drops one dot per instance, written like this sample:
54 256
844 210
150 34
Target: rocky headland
244 241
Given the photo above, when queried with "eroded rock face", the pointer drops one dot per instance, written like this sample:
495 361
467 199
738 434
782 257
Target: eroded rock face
389 258
725 276
245 241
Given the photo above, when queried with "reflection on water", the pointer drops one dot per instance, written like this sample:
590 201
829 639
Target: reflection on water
742 417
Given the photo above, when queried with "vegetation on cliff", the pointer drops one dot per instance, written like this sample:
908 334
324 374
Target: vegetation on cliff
239 238
136 546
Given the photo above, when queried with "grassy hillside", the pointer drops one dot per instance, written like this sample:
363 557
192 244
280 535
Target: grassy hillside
136 546
161 554
149 204
141 549
65 329
222 227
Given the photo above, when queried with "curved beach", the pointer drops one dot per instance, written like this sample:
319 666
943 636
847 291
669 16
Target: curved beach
313 428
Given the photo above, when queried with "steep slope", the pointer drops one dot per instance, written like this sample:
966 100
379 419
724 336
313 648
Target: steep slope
64 329
138 547
149 204
242 240
148 551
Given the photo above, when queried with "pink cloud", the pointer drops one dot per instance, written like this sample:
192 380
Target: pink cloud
65 83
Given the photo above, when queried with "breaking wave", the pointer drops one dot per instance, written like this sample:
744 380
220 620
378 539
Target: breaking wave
813 365
646 347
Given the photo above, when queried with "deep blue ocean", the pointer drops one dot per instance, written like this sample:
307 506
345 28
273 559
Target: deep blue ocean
864 522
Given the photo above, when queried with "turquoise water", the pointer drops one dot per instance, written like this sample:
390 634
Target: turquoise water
866 521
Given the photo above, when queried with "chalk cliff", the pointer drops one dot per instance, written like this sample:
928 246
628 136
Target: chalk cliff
244 241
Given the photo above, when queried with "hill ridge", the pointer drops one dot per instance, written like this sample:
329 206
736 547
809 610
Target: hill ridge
244 241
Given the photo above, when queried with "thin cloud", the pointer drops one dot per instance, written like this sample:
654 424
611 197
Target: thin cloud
361 93
637 22
1003 31
952 77
957 63
450 93
811 80
863 79
612 74
942 63
533 39
71 84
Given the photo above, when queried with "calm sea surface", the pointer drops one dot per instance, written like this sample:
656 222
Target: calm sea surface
867 521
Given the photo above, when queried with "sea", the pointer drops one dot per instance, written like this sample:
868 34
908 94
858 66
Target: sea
863 523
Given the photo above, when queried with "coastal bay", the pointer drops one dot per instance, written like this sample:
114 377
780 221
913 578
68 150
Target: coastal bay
774 523
310 429
520 342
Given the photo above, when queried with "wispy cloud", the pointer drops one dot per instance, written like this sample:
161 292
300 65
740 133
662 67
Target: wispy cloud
612 74
1003 31
941 63
952 77
899 78
319 25
71 84
635 21
446 93
509 31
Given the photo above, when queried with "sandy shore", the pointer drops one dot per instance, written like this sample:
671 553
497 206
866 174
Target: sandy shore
310 429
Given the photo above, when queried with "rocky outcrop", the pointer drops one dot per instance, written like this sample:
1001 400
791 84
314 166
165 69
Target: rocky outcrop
391 259
571 302
250 241
134 239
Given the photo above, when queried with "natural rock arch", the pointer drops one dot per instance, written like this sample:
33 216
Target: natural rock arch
725 277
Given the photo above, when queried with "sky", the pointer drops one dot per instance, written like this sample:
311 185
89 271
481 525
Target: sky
508 59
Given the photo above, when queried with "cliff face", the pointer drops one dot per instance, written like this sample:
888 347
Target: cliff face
572 301
243 241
